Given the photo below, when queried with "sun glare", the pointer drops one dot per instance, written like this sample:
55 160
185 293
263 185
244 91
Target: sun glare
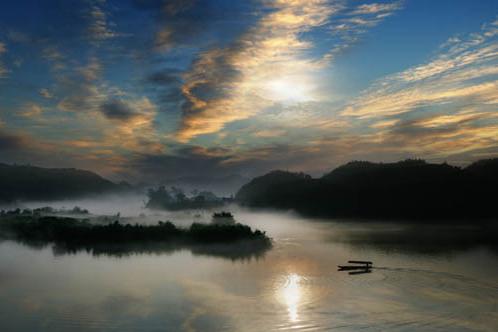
291 296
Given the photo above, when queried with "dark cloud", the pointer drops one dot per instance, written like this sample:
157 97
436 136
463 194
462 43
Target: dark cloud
214 161
171 96
166 84
164 77
412 130
169 6
209 91
192 22
435 126
147 4
11 141
160 167
118 110
178 22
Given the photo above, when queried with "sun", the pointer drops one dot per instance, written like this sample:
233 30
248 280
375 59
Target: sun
288 90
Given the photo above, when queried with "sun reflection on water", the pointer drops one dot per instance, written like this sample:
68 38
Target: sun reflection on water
292 295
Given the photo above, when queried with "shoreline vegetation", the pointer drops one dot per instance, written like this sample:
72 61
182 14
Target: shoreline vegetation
175 198
71 235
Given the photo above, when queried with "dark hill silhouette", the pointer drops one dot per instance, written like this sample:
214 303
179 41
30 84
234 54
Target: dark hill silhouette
486 170
277 189
25 183
406 189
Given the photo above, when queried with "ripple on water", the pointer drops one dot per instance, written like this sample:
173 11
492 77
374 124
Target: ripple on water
386 299
416 299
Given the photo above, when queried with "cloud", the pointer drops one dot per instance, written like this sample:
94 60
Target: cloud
384 124
122 120
270 133
165 85
132 125
230 83
52 53
215 161
182 22
459 118
465 72
415 98
31 111
375 8
3 70
455 138
55 57
79 87
45 93
351 28
124 111
10 141
182 163
18 36
270 63
249 77
445 108
164 77
99 27
118 110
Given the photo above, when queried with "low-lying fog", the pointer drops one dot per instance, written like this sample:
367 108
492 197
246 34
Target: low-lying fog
131 209
127 205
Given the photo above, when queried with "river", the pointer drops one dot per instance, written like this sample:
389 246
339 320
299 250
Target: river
437 281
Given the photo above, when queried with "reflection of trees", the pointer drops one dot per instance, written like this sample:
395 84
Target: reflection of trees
420 239
237 251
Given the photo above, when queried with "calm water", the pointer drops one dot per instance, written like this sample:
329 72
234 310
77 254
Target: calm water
419 283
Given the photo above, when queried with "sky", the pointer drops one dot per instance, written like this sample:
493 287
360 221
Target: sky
145 90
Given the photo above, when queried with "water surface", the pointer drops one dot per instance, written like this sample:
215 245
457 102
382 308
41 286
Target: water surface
418 283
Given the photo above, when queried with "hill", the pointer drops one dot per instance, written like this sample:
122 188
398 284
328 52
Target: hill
28 183
406 189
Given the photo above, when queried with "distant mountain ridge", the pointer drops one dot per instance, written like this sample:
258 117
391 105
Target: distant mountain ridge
405 189
28 183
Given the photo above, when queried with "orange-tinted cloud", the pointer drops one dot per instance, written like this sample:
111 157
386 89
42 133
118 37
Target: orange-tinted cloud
234 78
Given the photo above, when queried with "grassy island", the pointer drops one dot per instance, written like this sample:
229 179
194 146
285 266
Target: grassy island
72 235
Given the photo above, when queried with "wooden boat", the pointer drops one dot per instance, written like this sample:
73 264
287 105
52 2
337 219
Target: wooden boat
366 265
360 262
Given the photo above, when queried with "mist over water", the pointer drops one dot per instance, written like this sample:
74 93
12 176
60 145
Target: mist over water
128 205
293 287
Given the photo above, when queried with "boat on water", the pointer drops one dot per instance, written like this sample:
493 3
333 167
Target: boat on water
364 265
